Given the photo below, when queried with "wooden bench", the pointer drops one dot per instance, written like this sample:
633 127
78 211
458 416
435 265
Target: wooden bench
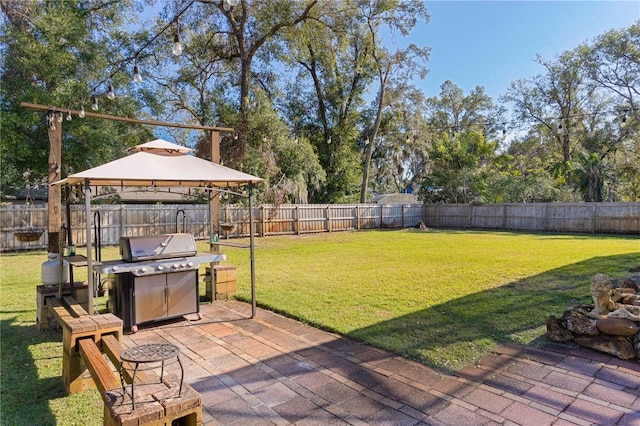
91 359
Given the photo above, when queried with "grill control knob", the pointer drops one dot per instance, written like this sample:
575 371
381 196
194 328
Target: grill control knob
160 267
175 266
143 269
183 265
115 268
190 264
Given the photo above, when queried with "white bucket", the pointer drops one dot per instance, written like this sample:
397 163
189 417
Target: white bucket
50 270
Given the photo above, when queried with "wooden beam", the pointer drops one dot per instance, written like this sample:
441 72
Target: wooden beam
74 307
104 378
126 119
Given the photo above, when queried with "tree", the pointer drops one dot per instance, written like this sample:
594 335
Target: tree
556 100
391 68
459 166
55 53
613 63
236 35
332 74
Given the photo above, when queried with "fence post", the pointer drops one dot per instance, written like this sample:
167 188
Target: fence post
121 218
263 219
545 220
504 216
296 219
402 220
357 217
329 218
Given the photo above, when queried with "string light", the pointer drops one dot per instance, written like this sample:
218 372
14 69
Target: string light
94 103
111 94
177 46
81 113
51 119
68 114
137 77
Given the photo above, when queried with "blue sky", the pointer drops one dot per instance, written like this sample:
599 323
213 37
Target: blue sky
492 43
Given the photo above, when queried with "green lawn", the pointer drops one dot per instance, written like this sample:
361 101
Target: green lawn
443 298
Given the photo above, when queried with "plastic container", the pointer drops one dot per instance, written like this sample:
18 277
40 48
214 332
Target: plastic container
50 270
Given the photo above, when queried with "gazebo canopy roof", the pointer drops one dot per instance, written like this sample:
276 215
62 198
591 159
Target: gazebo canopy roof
161 164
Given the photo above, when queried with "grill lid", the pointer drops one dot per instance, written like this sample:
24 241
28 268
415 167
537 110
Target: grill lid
153 247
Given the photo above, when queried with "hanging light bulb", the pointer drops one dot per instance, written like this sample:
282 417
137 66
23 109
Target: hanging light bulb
51 120
137 77
233 3
111 94
60 117
81 113
177 46
94 103
68 114
226 5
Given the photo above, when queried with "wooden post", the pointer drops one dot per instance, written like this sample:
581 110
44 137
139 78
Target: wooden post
54 129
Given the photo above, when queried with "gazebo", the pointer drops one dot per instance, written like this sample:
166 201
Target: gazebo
162 164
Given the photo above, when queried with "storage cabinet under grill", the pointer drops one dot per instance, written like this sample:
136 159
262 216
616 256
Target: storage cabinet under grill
139 300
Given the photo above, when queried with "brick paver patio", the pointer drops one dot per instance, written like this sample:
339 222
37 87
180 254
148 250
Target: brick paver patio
272 370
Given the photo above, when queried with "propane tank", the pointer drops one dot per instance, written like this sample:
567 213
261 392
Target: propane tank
50 270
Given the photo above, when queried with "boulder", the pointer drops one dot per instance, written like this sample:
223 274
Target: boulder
578 323
555 331
617 326
617 346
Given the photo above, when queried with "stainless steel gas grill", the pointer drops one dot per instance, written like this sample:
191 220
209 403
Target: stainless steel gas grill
156 279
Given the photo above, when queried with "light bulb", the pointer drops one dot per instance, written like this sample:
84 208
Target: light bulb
233 3
68 114
94 103
177 46
226 5
137 77
111 94
81 113
60 117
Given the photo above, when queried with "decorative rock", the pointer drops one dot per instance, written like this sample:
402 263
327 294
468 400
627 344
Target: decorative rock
614 345
617 326
579 324
601 294
555 331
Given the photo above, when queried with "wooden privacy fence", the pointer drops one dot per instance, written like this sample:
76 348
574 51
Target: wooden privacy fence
600 218
113 221
116 220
